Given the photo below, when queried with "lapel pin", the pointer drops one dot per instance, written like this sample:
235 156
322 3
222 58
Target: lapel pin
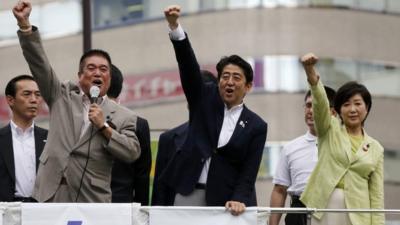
366 147
242 124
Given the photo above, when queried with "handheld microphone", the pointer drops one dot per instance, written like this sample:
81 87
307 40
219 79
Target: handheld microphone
94 94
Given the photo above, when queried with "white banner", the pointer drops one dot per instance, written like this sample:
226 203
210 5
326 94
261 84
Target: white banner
10 213
200 216
76 214
1 215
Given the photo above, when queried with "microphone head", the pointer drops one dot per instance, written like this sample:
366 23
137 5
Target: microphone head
94 92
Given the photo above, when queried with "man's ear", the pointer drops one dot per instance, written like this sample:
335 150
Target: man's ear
10 100
333 111
249 86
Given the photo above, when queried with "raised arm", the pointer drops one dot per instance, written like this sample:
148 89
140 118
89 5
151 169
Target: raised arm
34 54
320 104
189 69
309 60
22 11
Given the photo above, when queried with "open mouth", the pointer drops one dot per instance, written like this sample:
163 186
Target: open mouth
229 91
97 82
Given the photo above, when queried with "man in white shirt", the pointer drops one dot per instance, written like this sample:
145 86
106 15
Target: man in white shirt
297 161
21 142
218 163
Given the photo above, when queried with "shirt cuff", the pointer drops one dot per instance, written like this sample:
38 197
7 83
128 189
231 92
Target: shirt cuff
177 34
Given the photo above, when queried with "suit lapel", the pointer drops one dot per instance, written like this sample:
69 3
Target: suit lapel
180 136
77 111
242 123
349 153
219 119
363 150
7 152
108 113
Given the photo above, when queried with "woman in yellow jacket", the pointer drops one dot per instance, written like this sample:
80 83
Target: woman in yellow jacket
349 172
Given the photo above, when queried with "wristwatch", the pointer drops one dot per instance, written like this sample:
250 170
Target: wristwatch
105 125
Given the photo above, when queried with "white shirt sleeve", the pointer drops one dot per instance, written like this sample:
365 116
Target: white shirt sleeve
177 34
282 172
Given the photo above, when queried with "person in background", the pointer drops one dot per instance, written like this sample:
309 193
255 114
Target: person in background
130 181
21 141
170 142
297 160
349 172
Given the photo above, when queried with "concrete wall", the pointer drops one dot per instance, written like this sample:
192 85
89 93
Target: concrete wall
249 32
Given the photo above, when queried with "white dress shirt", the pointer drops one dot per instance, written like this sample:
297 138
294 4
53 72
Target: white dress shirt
86 105
24 159
231 117
296 163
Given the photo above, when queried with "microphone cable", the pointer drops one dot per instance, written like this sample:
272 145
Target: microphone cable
94 94
86 164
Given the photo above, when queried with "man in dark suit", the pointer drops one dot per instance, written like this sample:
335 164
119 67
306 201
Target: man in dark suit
21 142
219 160
170 142
130 181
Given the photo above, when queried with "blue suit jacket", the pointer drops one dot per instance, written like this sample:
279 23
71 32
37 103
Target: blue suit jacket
168 144
7 166
233 168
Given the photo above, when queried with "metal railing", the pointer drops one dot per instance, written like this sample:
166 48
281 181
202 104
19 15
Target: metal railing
270 210
310 211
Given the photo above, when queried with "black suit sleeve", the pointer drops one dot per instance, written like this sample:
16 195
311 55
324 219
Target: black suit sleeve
142 166
189 71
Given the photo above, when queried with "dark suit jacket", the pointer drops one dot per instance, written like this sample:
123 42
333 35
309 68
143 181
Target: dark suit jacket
130 181
7 167
233 168
168 143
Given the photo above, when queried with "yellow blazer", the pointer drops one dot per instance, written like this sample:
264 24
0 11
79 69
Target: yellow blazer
362 171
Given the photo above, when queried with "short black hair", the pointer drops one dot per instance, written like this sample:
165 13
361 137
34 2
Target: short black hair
116 82
11 88
93 52
348 90
208 77
238 61
330 93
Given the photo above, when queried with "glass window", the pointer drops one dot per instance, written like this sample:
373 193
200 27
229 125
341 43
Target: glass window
8 25
155 7
374 5
233 4
393 6
53 19
59 18
111 13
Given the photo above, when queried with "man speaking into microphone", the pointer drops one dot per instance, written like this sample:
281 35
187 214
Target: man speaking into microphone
87 130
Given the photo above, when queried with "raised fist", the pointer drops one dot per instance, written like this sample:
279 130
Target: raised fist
21 11
172 14
309 59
